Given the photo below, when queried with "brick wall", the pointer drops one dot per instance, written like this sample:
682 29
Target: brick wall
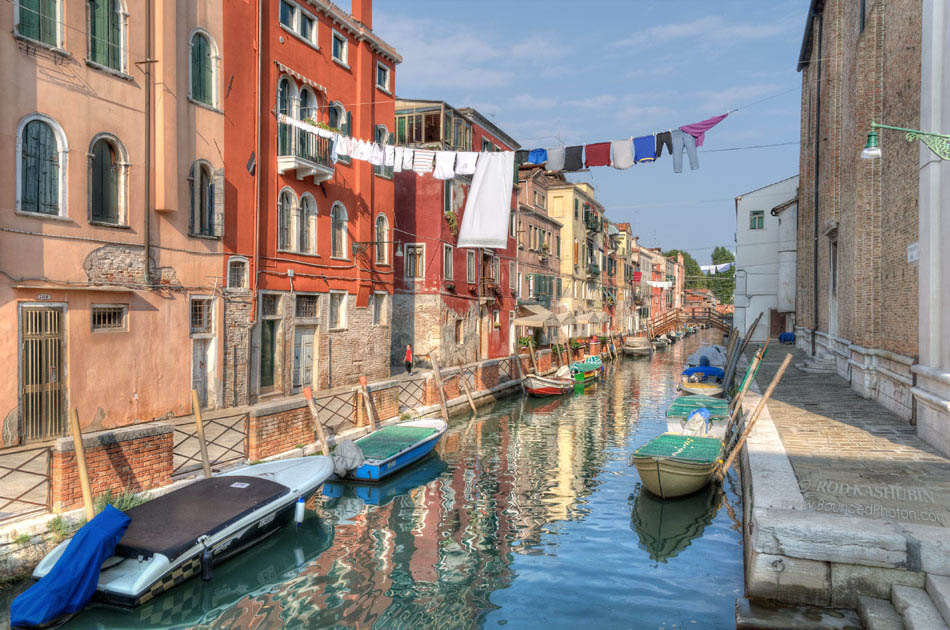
237 340
278 432
130 459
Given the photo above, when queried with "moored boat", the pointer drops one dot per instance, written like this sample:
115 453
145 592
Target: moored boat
637 347
672 465
701 389
685 405
543 386
587 370
392 448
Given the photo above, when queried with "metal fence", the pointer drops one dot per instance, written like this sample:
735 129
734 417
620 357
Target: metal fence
226 440
335 410
25 481
412 394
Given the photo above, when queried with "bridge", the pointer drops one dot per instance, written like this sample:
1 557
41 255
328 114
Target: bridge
677 318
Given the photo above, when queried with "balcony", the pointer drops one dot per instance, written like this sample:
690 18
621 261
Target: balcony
304 152
593 269
592 224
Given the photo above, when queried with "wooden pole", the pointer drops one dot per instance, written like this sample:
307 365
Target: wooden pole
370 406
534 360
321 433
516 364
755 416
81 465
200 428
464 386
737 401
748 334
438 383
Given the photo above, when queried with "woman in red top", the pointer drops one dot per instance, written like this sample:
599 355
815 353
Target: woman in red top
409 359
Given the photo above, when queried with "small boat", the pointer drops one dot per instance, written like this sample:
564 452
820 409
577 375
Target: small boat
660 342
587 370
701 389
685 405
637 347
543 386
392 448
672 465
190 530
705 380
716 356
421 474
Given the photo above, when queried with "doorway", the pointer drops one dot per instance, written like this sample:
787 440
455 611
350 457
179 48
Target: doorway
303 357
199 368
268 351
484 325
42 394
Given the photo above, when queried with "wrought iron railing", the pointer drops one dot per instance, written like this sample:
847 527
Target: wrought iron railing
306 145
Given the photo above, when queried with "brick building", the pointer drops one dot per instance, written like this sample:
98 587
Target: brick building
857 287
310 277
458 301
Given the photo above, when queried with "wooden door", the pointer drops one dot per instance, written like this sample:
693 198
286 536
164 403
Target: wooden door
776 323
303 358
199 369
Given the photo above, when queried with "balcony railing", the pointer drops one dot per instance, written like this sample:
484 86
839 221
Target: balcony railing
303 151
593 269
592 224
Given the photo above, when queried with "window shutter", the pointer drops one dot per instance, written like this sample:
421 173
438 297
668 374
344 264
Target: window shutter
115 40
349 124
196 68
217 199
206 77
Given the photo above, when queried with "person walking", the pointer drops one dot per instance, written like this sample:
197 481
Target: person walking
409 359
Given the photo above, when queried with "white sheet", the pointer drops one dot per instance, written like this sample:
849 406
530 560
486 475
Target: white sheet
488 206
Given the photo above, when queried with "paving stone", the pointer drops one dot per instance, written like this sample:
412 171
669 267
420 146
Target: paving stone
879 614
849 582
766 615
917 609
938 587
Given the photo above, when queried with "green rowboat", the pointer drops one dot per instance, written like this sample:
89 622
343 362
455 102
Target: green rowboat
672 465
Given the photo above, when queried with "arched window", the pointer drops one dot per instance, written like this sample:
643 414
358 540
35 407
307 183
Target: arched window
381 136
307 229
106 33
40 20
106 181
201 183
382 236
41 166
285 106
307 109
203 61
338 221
285 207
237 272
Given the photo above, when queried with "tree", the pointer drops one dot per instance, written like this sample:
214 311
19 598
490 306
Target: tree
694 279
723 283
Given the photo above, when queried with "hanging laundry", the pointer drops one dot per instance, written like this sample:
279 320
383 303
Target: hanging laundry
488 206
407 160
444 165
521 156
538 156
698 130
376 155
645 148
683 141
422 161
574 158
363 151
556 159
389 155
335 149
597 154
465 162
664 138
621 153
637 276
397 159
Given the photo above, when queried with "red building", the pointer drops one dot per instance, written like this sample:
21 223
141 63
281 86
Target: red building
309 275
458 301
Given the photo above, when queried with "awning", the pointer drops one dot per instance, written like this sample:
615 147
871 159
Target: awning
535 317
601 318
565 318
585 318
300 77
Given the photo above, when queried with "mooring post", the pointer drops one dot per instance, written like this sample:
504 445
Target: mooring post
438 382
200 430
81 465
321 432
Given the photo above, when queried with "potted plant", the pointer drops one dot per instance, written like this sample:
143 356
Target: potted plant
523 341
453 221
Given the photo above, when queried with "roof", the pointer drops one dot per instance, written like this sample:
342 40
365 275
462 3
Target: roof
477 118
783 206
357 29
814 9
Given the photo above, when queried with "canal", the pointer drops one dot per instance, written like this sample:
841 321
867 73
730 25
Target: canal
529 516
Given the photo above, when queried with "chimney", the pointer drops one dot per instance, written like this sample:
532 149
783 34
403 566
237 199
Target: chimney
363 12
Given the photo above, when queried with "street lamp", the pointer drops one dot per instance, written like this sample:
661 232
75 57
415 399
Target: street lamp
937 142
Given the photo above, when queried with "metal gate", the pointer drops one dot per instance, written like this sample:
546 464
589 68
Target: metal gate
42 394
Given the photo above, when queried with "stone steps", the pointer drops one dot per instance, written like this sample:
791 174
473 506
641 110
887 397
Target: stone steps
818 365
938 587
917 609
770 615
879 614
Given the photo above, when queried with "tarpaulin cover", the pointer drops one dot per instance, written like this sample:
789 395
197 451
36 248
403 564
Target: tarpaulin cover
71 582
706 371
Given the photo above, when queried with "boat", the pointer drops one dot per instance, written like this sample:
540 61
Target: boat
421 474
672 465
715 355
587 370
392 448
660 342
667 527
560 384
637 347
703 380
682 406
175 536
701 389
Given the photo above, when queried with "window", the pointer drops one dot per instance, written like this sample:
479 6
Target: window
496 269
558 294
834 267
105 178
511 225
338 229
307 221
285 206
270 304
757 220
339 48
287 12
382 76
39 20
109 317
862 14
379 308
202 69
448 271
576 208
204 220
381 136
487 145
470 267
307 28
308 105
415 261
558 242
382 238
447 194
237 272
298 21
41 166
337 310
106 24
496 318
459 331
200 315
305 306
512 276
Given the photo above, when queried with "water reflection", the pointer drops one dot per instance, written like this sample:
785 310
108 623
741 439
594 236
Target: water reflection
522 517
667 526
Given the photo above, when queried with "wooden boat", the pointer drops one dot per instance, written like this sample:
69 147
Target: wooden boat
673 465
715 354
701 389
587 370
190 530
685 405
660 342
392 448
543 386
637 347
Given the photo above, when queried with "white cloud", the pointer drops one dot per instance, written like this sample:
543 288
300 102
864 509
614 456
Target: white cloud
704 31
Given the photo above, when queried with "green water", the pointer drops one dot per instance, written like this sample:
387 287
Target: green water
529 516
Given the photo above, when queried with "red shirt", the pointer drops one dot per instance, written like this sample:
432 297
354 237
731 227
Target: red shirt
408 355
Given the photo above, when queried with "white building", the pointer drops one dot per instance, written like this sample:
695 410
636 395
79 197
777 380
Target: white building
766 230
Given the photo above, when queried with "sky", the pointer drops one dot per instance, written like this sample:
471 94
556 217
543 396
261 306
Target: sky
562 73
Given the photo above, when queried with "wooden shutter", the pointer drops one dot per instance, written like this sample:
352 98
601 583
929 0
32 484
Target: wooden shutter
217 199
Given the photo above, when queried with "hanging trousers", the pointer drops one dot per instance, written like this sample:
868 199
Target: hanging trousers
682 140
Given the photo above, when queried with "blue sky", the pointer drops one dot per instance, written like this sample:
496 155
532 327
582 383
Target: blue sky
554 72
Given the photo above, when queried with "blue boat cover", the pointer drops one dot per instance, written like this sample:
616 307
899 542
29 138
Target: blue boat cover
787 337
72 581
706 371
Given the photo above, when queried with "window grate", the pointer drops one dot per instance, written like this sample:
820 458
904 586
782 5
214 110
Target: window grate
108 317
306 306
269 305
237 272
201 315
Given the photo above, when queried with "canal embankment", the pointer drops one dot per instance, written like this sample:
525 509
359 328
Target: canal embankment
844 506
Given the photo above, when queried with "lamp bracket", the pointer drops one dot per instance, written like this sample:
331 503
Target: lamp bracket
937 142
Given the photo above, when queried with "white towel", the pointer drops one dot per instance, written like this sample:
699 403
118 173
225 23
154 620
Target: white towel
465 162
555 159
422 161
488 206
621 152
363 151
376 155
407 159
444 165
389 157
397 159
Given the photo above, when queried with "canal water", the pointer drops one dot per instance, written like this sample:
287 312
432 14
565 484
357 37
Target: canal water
528 516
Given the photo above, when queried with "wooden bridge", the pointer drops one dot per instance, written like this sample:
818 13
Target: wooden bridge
677 318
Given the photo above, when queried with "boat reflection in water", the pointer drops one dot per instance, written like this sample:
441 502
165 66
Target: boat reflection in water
667 526
382 493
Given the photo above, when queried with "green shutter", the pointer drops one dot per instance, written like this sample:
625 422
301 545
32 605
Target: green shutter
37 20
201 71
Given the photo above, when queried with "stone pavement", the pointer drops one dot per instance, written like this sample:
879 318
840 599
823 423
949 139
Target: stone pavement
851 456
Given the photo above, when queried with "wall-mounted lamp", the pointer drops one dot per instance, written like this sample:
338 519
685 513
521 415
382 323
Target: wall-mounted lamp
937 142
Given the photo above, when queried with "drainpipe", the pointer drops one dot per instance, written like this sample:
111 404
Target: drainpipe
814 334
148 138
257 168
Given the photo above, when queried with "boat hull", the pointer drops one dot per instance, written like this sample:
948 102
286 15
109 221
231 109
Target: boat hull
701 389
668 478
375 469
536 386
637 352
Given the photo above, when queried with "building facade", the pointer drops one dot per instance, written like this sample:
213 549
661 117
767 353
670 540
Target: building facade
766 238
310 270
457 301
113 213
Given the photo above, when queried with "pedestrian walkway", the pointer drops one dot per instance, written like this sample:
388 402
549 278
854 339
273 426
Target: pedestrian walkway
850 455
